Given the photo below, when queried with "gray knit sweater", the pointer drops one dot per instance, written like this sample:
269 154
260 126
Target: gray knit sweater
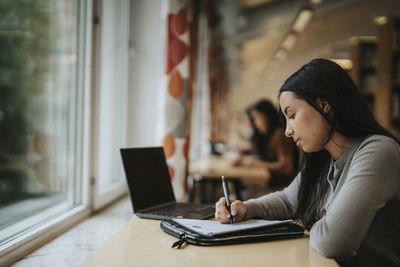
361 222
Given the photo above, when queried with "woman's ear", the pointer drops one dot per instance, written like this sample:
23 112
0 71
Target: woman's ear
324 106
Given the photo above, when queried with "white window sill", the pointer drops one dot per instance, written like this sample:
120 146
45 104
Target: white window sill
75 245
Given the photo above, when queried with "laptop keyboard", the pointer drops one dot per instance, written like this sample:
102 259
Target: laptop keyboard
180 208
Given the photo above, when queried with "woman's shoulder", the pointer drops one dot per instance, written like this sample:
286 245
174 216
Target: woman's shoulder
378 145
376 162
379 140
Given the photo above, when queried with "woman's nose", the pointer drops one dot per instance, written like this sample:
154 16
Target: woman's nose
288 131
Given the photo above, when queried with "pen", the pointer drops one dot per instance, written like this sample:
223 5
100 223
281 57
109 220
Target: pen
226 194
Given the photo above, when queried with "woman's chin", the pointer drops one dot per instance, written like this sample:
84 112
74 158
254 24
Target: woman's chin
306 148
310 149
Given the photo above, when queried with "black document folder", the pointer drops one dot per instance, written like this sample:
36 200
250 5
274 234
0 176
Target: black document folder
289 230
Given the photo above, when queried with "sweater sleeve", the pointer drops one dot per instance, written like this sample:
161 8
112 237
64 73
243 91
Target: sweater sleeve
275 206
372 181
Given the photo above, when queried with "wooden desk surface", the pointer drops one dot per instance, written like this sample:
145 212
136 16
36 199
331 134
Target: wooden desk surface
141 242
215 166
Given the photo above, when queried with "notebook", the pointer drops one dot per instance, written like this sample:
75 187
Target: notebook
214 228
150 187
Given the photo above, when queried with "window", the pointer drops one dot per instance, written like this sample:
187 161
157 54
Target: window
63 115
43 112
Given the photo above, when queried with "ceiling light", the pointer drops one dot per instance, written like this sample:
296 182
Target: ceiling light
280 55
302 20
346 64
381 20
289 41
315 2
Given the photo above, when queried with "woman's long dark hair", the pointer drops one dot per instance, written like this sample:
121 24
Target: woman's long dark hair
325 80
261 140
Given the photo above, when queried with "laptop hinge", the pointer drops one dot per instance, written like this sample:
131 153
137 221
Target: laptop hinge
156 207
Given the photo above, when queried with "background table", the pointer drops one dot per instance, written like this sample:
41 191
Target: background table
216 166
208 170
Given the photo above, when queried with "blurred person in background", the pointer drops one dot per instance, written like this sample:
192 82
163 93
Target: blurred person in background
268 146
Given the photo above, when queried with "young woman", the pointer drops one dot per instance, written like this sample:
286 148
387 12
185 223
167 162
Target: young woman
347 193
271 148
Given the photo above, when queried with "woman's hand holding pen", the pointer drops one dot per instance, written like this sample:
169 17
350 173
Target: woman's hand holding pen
238 210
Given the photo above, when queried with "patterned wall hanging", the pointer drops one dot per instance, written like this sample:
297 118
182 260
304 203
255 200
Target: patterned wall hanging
176 137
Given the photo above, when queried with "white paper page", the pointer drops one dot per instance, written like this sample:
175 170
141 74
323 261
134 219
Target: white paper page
211 228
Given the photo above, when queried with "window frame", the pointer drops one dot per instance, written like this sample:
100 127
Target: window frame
100 198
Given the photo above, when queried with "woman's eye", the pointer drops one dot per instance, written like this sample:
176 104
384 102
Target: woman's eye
291 116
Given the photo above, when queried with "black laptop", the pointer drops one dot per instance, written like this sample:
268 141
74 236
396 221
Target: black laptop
150 187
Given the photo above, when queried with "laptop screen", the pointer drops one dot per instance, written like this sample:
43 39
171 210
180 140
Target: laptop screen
147 175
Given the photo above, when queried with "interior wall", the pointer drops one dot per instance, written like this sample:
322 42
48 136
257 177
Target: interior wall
146 72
